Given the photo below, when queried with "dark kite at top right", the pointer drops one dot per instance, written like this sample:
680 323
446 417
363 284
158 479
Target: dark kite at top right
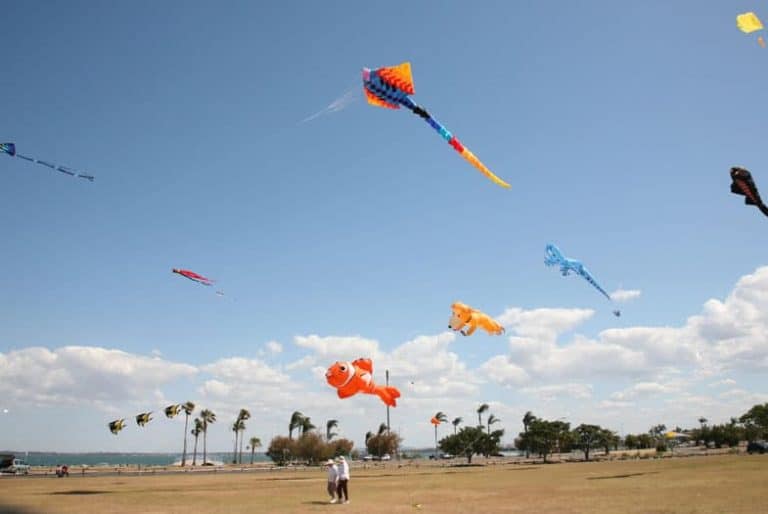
744 185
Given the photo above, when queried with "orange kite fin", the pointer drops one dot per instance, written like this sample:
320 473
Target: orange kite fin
364 364
398 76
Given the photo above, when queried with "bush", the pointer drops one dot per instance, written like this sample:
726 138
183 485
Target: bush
661 447
281 450
310 447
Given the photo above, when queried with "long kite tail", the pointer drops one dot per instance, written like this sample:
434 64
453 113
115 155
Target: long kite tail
588 277
453 141
10 149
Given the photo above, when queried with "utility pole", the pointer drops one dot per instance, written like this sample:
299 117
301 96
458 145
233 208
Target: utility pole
387 375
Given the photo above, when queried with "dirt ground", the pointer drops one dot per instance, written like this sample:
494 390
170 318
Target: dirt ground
717 484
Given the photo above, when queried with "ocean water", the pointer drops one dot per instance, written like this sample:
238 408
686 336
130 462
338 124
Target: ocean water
126 459
164 459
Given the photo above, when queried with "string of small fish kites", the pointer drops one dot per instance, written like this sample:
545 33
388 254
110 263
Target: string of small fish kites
145 417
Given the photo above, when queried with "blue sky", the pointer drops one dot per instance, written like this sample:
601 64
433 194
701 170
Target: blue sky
615 123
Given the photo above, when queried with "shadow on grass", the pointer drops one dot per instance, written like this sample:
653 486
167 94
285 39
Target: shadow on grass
316 502
8 509
624 476
523 468
79 492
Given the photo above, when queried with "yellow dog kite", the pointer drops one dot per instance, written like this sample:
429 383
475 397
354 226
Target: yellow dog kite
464 315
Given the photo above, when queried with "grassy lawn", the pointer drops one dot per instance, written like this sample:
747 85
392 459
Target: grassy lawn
721 484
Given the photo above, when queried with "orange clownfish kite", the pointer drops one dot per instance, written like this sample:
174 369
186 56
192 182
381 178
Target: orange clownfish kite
350 378
464 315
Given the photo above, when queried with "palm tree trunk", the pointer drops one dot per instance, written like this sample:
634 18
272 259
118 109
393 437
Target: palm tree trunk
525 429
253 450
205 446
234 452
435 442
184 453
194 458
241 447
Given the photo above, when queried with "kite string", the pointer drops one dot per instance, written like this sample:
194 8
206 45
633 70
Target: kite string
58 167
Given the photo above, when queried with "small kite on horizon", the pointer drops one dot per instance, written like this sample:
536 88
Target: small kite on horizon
172 410
116 425
143 418
194 277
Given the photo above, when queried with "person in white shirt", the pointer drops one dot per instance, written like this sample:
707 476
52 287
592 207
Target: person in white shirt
343 469
333 479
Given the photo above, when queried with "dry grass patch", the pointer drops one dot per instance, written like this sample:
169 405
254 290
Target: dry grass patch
701 485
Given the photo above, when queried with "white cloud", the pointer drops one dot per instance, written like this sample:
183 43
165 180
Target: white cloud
274 347
578 391
338 348
723 382
81 374
625 295
502 370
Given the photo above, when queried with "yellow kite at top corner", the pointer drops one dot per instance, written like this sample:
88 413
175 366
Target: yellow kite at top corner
748 22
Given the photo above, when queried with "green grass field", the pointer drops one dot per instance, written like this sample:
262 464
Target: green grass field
721 484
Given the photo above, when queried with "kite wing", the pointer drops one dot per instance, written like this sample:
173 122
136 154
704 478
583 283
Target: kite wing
191 275
390 87
743 184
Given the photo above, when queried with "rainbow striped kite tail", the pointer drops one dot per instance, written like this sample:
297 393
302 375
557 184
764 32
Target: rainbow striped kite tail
474 161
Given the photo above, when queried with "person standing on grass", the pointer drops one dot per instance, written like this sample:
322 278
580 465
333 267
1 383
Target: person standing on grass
343 468
333 480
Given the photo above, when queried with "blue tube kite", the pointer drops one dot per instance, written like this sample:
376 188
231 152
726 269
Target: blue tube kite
554 257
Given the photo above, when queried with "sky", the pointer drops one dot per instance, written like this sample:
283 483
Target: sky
234 140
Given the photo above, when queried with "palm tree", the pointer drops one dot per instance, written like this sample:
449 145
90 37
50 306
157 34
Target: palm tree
382 429
295 423
253 443
208 417
456 422
491 420
306 425
244 415
368 435
702 421
527 420
196 432
188 408
442 418
236 430
480 410
329 426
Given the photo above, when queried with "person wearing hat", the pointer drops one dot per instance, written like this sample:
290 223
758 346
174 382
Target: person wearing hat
333 479
343 471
